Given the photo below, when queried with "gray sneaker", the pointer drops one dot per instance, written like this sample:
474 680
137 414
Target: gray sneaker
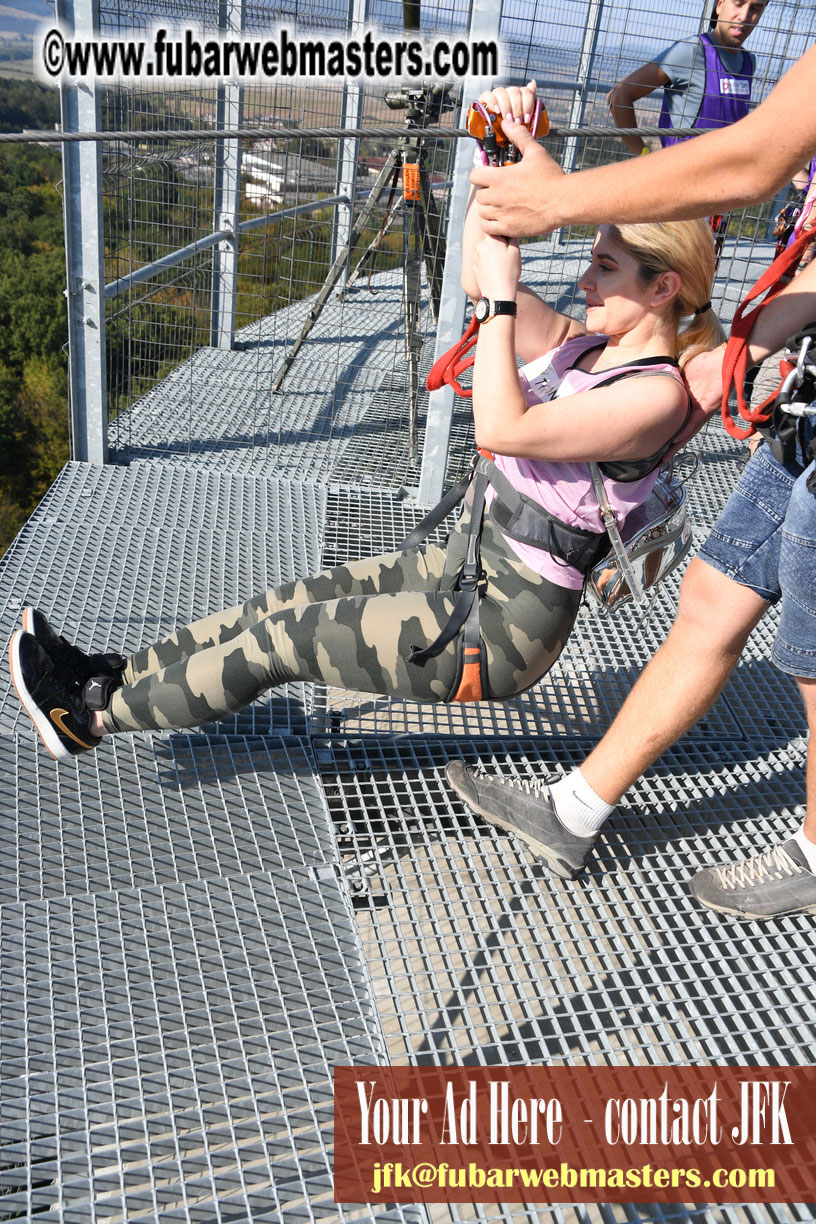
767 886
526 810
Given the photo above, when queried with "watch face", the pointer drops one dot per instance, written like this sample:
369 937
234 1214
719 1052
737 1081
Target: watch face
482 309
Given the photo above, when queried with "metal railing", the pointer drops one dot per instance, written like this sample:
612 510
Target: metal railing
199 220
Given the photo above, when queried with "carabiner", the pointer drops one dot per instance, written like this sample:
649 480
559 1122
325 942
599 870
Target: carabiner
794 380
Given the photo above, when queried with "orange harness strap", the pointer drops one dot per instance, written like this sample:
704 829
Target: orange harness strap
735 362
454 362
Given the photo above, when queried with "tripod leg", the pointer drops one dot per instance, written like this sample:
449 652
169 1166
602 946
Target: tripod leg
412 301
433 243
389 170
371 250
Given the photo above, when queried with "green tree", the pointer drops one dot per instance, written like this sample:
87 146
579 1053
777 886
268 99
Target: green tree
27 104
33 322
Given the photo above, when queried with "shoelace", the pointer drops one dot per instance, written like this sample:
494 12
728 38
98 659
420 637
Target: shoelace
773 865
532 786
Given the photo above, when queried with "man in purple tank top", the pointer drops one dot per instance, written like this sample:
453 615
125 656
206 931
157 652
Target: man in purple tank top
706 80
706 83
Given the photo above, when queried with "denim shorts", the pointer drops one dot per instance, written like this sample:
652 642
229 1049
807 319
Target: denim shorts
765 539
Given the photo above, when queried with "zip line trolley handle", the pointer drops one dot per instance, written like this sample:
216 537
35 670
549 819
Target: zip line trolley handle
486 128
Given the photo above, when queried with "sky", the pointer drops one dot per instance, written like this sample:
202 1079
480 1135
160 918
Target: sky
627 26
21 19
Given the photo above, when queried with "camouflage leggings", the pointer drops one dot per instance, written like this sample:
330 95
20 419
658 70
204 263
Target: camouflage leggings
351 627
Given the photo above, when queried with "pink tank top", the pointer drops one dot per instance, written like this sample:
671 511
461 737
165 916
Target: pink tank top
565 489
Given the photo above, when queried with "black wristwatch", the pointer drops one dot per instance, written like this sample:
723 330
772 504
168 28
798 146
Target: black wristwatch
485 309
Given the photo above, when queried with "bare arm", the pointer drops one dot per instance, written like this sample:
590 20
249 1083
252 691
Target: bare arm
515 101
624 422
717 171
793 309
626 93
619 422
538 327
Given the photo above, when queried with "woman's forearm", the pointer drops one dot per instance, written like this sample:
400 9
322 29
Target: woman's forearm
472 234
498 400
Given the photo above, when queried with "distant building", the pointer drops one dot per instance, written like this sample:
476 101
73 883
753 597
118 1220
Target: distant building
272 178
264 178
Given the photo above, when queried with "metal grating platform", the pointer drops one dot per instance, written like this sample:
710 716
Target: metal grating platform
118 557
198 927
168 1052
341 413
508 964
324 406
158 810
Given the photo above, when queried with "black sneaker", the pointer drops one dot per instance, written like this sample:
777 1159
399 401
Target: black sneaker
526 811
52 699
83 666
768 885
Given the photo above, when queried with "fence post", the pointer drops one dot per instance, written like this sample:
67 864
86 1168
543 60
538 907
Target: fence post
84 250
584 72
348 150
484 24
227 191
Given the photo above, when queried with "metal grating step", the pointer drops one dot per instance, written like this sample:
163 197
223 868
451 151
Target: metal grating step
153 497
168 1053
378 453
123 581
143 810
302 431
478 954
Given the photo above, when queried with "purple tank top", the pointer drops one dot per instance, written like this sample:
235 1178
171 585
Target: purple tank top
726 95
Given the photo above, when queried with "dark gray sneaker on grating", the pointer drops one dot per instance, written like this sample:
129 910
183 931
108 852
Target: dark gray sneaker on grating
525 810
769 885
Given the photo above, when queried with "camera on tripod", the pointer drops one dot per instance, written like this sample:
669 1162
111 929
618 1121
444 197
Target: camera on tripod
425 103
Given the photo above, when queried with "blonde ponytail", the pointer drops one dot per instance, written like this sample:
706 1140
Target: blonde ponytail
704 332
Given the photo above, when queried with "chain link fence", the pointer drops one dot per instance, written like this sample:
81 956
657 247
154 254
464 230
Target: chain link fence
171 387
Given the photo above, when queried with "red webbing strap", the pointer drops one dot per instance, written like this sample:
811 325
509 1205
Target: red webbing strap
735 361
454 362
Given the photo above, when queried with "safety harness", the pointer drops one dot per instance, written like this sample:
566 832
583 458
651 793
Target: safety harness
781 416
518 517
735 361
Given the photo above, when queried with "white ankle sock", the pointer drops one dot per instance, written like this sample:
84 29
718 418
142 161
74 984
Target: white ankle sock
807 847
578 807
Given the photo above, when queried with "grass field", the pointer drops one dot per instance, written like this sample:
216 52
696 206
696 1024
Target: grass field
16 57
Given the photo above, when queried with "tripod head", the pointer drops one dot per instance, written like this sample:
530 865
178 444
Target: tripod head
424 104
